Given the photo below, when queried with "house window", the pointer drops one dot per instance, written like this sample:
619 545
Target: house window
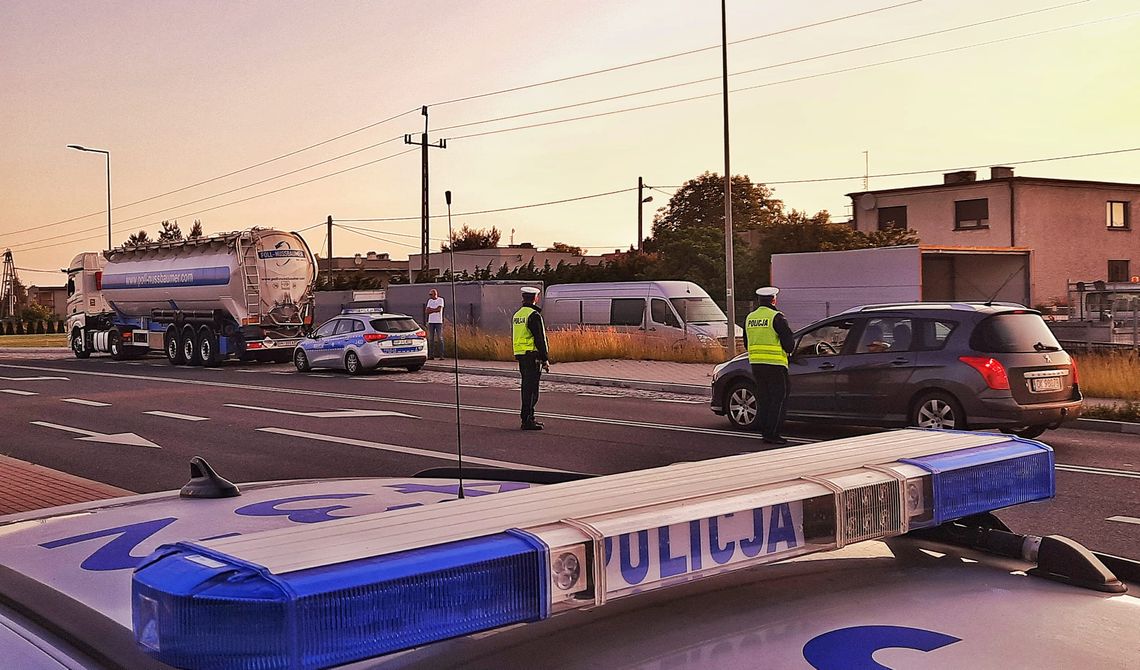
892 217
1116 215
971 214
1118 271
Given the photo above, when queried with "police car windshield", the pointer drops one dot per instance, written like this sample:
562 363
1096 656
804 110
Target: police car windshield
395 325
698 310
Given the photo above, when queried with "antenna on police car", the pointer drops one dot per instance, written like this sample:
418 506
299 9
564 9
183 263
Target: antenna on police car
455 340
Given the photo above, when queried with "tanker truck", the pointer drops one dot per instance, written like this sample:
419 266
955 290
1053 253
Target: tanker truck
245 295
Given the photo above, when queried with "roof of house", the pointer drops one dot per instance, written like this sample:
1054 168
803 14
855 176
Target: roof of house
1040 181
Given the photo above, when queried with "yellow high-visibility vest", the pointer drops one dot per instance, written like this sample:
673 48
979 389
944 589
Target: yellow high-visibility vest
523 339
763 342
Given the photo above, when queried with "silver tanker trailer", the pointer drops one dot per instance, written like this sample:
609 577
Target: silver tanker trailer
247 295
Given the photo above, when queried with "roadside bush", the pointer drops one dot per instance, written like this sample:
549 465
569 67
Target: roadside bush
8 328
19 328
40 330
1129 411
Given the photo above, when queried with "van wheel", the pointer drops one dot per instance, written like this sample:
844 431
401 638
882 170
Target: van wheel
742 406
172 345
77 347
936 409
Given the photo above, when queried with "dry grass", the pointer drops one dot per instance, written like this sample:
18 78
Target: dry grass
1110 375
53 340
583 345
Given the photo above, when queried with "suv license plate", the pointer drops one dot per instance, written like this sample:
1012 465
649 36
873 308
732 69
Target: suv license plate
1046 384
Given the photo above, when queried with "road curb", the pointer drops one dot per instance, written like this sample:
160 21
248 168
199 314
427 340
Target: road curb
661 387
1106 426
34 350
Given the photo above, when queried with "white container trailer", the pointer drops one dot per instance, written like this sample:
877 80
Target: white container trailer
815 285
247 294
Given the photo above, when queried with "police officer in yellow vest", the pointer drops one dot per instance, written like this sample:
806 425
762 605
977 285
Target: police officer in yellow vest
528 334
768 339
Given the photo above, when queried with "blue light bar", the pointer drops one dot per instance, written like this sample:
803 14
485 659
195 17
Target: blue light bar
194 608
983 479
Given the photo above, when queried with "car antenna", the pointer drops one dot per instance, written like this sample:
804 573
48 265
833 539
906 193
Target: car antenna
454 340
990 302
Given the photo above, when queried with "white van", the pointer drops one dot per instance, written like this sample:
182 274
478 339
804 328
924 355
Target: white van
674 311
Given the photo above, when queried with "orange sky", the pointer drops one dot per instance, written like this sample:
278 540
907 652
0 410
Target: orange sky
184 92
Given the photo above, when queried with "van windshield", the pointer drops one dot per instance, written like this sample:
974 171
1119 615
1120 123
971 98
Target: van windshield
698 310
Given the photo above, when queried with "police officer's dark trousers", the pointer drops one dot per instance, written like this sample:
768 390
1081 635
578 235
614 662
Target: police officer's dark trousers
531 369
772 397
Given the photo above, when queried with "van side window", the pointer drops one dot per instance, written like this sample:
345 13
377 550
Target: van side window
627 311
659 310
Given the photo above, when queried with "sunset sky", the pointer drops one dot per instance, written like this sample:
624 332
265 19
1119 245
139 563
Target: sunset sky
187 92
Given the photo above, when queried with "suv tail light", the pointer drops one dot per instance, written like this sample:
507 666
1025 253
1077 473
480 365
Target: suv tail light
374 337
1076 377
990 369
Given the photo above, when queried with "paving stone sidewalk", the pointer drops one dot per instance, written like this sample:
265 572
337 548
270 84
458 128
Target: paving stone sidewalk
26 486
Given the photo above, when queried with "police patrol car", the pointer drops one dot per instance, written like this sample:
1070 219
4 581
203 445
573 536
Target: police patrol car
877 551
363 339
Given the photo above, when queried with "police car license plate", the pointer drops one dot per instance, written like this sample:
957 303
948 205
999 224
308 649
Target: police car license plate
402 343
1045 384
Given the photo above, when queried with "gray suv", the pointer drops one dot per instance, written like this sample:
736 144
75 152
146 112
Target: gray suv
933 365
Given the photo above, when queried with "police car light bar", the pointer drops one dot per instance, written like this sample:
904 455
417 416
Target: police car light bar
351 589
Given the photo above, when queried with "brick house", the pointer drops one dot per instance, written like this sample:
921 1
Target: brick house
1076 230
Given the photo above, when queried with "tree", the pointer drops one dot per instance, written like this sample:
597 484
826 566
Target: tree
468 239
36 312
566 249
170 232
137 239
195 230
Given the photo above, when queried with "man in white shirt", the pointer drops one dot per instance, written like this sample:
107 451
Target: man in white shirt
434 313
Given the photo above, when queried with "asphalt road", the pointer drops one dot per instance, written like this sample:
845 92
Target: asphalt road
137 424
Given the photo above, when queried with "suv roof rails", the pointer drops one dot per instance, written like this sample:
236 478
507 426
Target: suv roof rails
964 306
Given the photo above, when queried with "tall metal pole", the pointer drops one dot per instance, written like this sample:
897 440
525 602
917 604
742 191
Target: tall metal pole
424 209
729 293
329 259
640 202
108 154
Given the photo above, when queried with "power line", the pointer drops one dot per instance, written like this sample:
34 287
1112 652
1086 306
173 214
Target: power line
772 66
800 78
501 209
252 197
675 55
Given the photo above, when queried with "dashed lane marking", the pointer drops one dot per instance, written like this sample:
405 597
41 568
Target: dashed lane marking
1124 519
17 392
88 403
173 415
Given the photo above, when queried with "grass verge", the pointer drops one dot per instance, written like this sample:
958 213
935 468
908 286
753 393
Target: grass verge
584 345
1110 375
54 340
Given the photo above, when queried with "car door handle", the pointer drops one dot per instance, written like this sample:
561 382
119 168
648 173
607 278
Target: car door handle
900 361
653 329
826 366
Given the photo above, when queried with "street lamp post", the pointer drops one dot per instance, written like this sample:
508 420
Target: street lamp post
108 155
641 186
730 299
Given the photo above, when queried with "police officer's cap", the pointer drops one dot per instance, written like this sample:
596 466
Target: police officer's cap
767 292
530 290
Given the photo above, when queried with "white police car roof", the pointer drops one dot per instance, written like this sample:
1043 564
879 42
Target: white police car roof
908 602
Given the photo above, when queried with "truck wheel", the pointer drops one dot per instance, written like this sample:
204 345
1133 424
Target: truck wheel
938 410
115 345
352 363
190 346
301 361
172 344
77 344
208 347
742 406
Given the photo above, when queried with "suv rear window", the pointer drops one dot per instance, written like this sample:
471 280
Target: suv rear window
395 325
1014 333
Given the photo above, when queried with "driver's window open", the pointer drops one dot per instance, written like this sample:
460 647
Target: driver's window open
824 341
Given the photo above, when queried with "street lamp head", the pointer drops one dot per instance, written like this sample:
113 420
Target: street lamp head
648 199
79 147
76 146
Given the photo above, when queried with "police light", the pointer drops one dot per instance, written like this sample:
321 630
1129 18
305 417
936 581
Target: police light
356 588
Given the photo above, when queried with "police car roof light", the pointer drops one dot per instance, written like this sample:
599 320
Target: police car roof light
356 588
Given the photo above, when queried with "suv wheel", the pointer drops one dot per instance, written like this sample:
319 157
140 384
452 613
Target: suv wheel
741 406
938 410
1028 432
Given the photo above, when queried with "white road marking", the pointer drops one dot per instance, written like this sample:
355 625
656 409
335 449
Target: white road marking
400 450
333 414
601 395
411 381
89 403
320 376
173 415
473 386
126 439
214 370
1124 519
683 402
136 363
17 392
249 371
32 379
1086 470
281 373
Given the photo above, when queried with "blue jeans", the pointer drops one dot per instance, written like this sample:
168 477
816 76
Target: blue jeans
435 340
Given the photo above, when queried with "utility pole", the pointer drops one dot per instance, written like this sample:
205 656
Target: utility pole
729 281
641 200
8 286
329 259
866 170
425 241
